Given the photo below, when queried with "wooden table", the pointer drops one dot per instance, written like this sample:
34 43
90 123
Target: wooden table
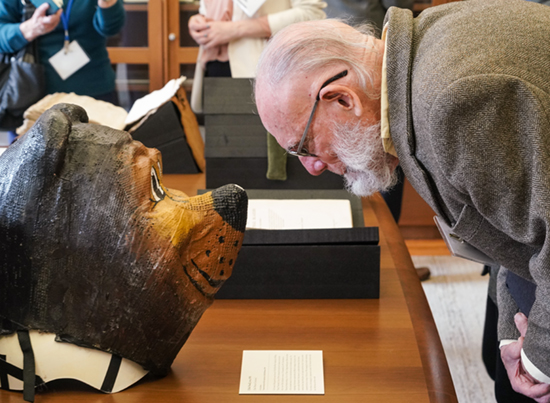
384 350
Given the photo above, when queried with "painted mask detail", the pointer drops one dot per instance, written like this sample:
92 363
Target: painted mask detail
96 250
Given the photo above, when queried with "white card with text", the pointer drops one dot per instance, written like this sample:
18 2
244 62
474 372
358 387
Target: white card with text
299 214
68 61
282 372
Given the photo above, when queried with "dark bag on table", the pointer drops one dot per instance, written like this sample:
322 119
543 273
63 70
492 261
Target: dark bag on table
21 81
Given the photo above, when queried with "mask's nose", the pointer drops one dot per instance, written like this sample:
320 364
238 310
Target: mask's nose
231 202
209 251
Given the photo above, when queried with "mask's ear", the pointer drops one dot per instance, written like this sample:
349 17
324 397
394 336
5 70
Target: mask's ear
42 149
54 127
74 113
36 159
343 96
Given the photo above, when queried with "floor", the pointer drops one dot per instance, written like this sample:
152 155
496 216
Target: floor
456 293
427 247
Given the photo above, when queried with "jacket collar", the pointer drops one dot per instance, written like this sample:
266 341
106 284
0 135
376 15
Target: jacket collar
399 60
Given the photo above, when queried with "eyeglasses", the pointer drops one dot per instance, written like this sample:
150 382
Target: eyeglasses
300 150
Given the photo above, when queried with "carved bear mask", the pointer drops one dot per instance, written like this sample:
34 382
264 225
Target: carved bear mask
96 250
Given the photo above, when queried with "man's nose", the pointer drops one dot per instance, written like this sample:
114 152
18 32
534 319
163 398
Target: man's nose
313 165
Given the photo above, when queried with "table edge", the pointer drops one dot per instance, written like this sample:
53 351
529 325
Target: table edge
436 369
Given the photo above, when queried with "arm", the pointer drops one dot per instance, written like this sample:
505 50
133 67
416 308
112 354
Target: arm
106 3
214 33
109 17
493 150
210 33
40 23
301 10
514 360
11 37
14 35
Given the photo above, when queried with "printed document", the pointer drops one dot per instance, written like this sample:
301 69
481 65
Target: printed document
299 214
282 372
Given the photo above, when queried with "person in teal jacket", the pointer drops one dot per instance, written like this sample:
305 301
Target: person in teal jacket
88 22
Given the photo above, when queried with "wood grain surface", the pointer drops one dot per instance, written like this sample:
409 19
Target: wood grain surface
384 350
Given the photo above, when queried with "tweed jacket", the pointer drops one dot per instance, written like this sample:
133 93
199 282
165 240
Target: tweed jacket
469 98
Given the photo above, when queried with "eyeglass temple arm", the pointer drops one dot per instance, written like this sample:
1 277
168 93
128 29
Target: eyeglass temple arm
302 141
330 80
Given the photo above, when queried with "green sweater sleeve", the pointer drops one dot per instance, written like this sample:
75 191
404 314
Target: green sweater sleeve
109 21
11 37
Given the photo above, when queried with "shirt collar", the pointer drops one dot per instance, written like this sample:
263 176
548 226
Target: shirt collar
387 141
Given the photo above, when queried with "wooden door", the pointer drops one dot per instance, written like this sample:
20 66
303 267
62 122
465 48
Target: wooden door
182 50
153 47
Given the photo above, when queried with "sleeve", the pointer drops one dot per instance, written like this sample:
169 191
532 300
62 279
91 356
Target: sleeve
507 308
109 21
491 144
11 37
301 10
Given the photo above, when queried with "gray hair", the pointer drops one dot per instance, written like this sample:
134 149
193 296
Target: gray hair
312 46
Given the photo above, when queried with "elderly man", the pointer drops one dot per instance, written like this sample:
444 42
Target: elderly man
459 97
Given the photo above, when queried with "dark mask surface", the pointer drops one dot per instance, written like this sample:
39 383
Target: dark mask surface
96 250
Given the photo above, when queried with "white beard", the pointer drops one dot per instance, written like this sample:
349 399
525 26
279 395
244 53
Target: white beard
369 168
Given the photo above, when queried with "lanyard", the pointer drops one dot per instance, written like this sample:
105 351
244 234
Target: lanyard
65 20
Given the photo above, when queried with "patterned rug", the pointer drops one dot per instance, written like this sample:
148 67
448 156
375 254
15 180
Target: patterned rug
457 293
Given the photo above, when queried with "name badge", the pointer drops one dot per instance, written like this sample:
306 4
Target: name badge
69 60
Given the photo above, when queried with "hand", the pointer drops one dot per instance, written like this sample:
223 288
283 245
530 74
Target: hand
218 33
520 379
40 23
209 33
197 24
106 3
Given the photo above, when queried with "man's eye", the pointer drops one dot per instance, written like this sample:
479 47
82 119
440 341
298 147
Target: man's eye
156 190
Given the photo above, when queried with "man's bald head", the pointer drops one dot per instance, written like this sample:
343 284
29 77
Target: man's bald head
313 46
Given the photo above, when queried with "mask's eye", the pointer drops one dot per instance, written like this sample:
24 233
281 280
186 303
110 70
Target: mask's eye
156 190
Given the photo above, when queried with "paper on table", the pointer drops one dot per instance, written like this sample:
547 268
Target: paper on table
299 214
250 6
282 372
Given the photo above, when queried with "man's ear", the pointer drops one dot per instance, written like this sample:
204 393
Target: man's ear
343 96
